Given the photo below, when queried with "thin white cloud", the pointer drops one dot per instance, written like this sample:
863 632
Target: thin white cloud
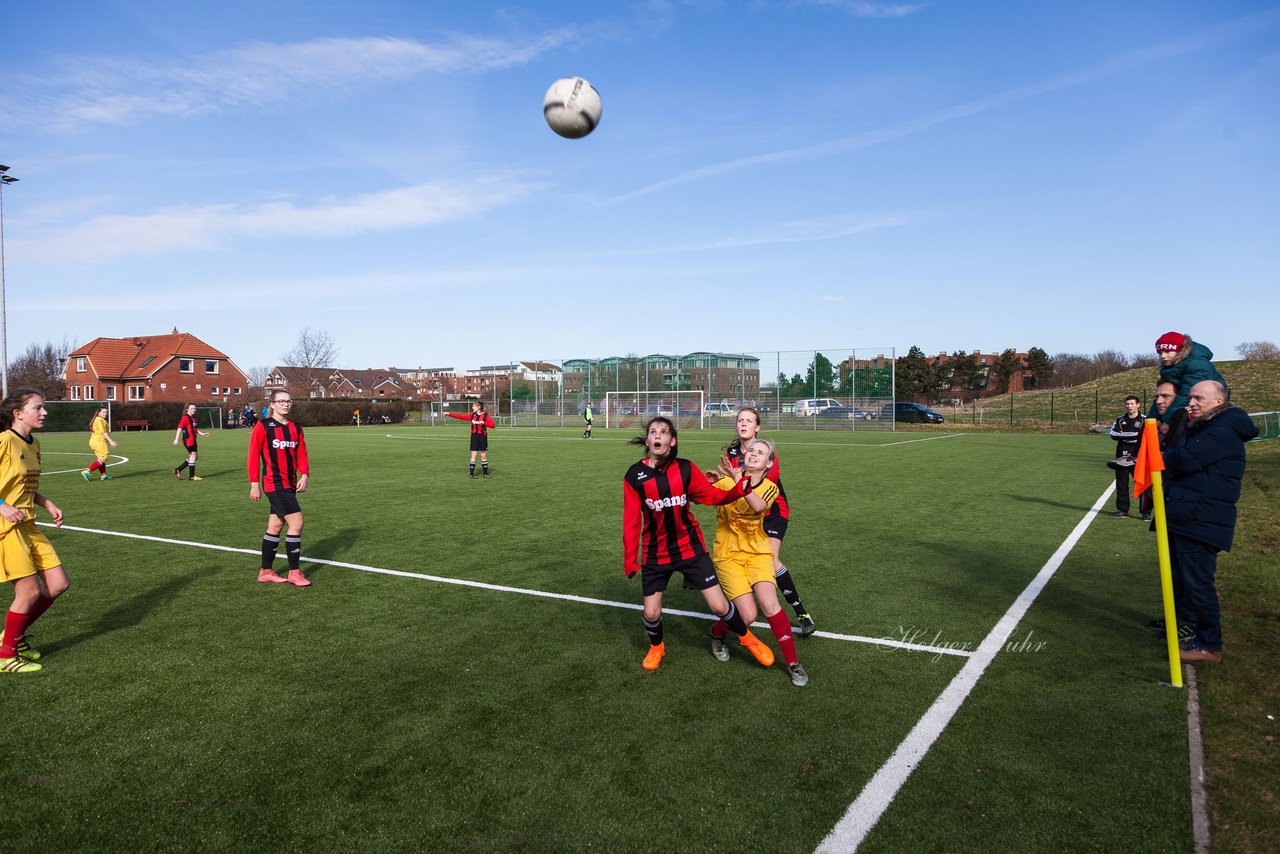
123 92
794 231
1194 43
862 9
213 226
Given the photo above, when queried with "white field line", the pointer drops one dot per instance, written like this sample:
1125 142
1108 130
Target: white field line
44 453
865 812
502 588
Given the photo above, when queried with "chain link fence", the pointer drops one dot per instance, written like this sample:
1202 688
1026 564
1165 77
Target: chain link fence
830 389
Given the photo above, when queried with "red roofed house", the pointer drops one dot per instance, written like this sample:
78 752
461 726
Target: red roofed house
177 367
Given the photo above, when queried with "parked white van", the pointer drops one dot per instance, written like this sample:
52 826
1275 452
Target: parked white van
713 410
814 405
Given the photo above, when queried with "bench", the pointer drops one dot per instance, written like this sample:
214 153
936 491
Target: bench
142 425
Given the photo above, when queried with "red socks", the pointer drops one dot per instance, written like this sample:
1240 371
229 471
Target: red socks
15 626
95 465
782 631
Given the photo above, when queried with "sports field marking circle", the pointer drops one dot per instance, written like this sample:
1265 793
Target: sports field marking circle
43 454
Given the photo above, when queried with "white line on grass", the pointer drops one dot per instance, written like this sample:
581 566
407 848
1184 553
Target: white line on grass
502 588
865 812
122 460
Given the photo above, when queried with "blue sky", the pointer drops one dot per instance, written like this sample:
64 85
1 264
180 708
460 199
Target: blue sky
767 175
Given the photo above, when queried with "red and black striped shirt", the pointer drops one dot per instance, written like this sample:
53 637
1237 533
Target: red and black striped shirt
658 500
187 425
284 450
480 421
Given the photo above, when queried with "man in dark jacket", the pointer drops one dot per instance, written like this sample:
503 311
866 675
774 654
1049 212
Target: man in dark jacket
1204 472
1127 431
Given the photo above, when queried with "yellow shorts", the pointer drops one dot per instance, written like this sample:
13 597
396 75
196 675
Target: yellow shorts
740 573
100 448
24 551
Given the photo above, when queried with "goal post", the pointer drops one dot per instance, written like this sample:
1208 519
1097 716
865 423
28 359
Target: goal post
687 409
209 417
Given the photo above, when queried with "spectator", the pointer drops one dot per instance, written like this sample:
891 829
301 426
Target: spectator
1204 471
1127 431
1183 363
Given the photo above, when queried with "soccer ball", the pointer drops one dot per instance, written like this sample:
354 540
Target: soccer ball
572 107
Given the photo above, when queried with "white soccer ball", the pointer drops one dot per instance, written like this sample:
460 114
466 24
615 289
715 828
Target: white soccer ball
572 107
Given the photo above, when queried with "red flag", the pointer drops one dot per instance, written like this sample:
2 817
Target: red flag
1149 458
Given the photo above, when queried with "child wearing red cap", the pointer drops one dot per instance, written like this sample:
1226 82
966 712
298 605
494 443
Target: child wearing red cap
1184 363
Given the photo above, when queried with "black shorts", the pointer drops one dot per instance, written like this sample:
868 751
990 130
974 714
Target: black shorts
775 526
191 449
284 502
699 574
479 441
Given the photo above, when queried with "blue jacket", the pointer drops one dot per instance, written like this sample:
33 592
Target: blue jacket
1185 373
1203 472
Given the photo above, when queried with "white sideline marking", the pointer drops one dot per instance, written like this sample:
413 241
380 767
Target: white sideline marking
502 588
44 453
865 812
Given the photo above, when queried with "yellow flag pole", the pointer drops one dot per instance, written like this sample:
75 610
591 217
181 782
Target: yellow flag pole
1166 581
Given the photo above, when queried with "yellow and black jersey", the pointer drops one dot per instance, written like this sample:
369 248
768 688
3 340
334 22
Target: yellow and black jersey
19 474
739 529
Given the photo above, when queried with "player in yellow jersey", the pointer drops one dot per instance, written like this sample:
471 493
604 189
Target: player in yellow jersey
27 560
744 558
99 438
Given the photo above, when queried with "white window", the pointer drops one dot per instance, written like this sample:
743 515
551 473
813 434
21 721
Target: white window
111 392
197 386
75 392
82 364
163 386
187 366
88 392
210 366
213 389
138 392
237 391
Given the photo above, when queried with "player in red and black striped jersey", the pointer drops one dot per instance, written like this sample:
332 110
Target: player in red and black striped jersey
779 517
278 458
660 536
187 432
481 424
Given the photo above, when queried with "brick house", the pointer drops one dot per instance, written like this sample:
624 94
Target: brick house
177 367
368 384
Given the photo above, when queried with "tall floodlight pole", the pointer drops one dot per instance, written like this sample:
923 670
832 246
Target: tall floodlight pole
5 180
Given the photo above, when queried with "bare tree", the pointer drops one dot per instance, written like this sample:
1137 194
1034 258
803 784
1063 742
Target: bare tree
258 375
1258 350
312 354
40 367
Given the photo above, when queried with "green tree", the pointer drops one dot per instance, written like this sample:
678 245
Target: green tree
965 372
914 378
821 376
522 391
1003 371
1040 367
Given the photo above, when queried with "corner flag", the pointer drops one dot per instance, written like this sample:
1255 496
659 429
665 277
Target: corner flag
1149 458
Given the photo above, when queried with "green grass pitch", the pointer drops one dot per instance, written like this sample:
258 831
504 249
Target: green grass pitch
185 706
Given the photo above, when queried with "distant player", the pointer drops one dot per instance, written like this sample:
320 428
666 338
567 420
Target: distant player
27 560
744 559
278 457
586 416
655 509
775 524
481 424
187 433
99 439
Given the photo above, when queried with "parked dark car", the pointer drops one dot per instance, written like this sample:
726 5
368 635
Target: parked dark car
845 412
910 413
